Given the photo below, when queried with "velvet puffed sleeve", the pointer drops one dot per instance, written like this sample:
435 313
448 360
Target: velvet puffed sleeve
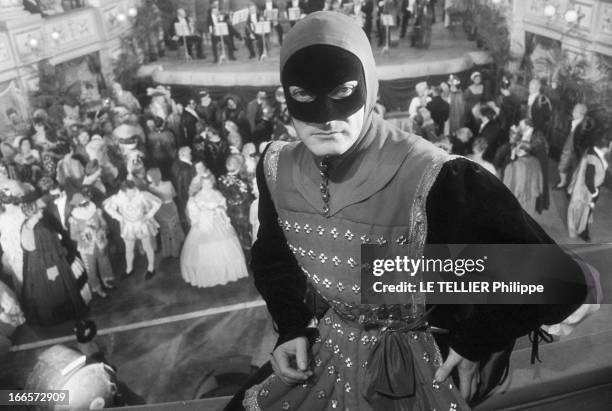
469 205
278 278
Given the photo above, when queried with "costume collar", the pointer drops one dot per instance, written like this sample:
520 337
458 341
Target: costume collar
357 175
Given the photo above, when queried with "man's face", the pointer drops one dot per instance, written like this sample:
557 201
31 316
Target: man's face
534 87
261 96
205 101
332 138
181 13
231 104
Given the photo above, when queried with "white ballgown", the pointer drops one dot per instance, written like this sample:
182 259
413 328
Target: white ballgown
212 254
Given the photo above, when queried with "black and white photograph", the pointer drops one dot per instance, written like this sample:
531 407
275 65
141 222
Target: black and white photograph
355 205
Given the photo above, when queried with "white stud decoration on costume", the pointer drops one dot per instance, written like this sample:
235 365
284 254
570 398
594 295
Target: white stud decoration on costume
322 258
352 337
365 239
347 387
349 235
328 343
334 403
286 405
336 260
316 279
331 370
402 240
296 227
327 283
348 362
381 241
340 287
334 233
287 225
356 289
320 230
318 362
307 228
312 254
351 261
264 393
327 320
321 394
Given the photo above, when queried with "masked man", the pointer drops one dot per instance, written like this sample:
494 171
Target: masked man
352 179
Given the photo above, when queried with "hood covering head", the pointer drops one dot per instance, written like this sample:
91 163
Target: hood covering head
321 53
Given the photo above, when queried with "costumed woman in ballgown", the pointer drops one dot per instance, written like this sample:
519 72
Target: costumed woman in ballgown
54 283
523 175
211 254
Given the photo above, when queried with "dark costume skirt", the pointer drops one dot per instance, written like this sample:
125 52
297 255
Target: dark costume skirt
239 216
342 379
51 294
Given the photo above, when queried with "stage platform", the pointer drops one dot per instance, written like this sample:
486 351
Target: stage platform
450 52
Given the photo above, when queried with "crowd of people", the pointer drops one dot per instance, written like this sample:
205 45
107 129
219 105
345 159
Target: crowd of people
510 136
84 193
185 31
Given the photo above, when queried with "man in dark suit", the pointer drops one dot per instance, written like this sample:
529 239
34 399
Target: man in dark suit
489 130
189 122
576 144
187 34
439 109
539 108
182 172
58 212
214 17
254 109
208 110
407 9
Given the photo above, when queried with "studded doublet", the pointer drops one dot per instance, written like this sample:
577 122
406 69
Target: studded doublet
328 247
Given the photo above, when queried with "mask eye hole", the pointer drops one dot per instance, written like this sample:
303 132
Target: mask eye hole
344 90
300 95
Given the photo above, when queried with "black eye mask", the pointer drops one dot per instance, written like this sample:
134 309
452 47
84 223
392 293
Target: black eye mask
322 71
